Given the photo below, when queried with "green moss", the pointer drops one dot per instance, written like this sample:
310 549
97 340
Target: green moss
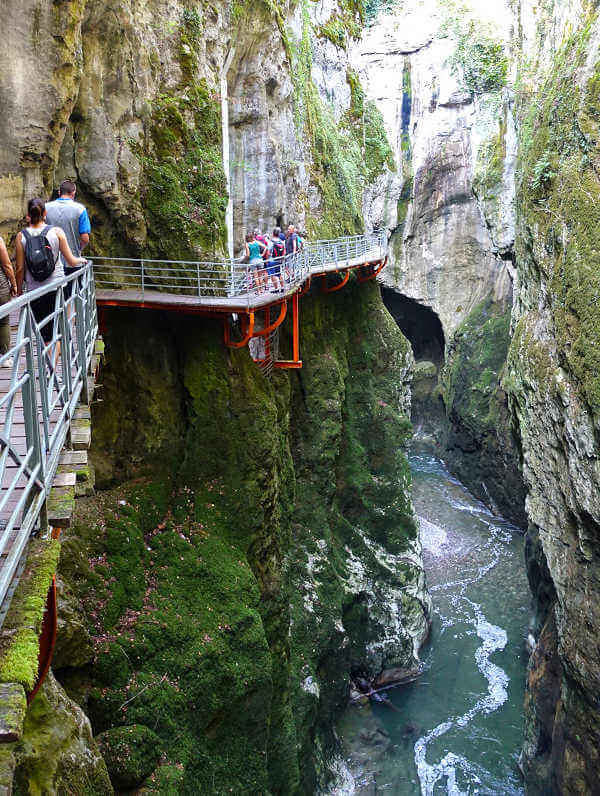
489 170
184 194
478 354
131 754
19 652
559 199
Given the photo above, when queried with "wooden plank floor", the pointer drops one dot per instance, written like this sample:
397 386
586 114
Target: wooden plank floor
251 301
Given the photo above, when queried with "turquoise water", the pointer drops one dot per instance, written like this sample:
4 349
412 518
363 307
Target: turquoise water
459 728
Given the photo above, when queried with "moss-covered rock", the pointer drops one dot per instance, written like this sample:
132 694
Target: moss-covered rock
251 494
131 754
57 754
479 440
19 646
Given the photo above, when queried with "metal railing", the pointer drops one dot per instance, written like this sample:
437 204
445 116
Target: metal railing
228 279
48 366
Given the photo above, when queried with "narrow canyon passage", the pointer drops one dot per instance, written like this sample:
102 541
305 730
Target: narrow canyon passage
457 729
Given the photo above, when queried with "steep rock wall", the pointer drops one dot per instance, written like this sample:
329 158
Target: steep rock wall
553 379
248 569
438 72
131 107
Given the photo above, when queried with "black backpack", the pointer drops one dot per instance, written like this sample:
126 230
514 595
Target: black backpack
278 249
39 257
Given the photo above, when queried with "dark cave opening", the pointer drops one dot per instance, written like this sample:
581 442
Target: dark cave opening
419 324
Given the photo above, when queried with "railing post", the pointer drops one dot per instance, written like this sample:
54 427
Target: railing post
143 296
80 330
30 409
65 354
198 279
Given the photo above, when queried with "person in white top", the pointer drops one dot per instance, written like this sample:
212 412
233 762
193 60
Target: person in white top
44 306
8 290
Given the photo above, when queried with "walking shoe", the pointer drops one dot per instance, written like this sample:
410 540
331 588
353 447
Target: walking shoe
8 363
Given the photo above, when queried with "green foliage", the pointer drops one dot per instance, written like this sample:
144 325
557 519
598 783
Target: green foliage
543 172
344 24
479 58
375 7
482 60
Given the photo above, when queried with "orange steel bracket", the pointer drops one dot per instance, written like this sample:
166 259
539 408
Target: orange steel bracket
247 332
47 640
295 362
305 288
270 327
342 284
377 269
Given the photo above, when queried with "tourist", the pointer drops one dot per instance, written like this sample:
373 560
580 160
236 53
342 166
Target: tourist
73 219
291 240
254 252
57 240
8 290
276 260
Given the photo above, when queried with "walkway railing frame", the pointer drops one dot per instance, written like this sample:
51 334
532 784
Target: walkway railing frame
51 383
234 278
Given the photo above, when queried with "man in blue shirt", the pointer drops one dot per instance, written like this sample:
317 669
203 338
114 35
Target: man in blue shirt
72 217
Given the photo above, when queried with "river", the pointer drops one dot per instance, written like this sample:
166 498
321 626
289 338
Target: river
459 728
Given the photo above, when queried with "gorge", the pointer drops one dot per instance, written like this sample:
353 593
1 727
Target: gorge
246 549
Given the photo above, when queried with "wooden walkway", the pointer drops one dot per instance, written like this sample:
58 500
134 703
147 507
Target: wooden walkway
72 464
249 301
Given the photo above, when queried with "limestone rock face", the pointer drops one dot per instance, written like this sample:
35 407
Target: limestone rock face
553 379
445 244
57 754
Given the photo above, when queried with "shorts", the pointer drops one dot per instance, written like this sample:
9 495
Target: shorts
41 308
274 268
256 263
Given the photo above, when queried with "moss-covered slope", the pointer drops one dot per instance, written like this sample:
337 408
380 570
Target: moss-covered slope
254 545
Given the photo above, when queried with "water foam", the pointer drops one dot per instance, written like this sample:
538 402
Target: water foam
451 767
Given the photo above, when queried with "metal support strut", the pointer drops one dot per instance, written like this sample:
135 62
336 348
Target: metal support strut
295 362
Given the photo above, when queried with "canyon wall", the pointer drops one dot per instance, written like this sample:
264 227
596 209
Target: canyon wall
439 74
238 565
553 382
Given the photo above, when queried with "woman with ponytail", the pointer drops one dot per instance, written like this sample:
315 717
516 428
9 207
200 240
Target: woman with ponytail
44 306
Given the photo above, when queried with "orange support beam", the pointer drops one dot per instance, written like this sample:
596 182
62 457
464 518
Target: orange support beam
247 332
47 639
295 362
305 288
342 284
270 327
377 269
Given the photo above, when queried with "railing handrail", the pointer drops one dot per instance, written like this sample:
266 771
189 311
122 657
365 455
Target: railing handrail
26 298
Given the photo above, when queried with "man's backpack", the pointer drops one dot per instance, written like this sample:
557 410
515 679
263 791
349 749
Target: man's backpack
278 249
39 257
